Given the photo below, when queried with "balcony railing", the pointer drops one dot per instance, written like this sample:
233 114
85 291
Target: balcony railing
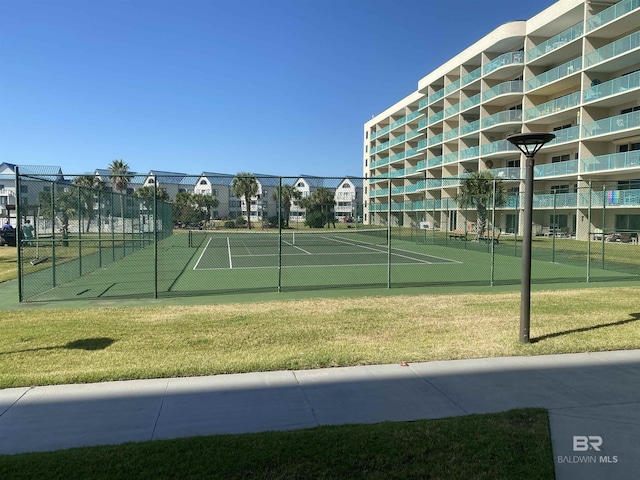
557 200
556 41
471 76
510 58
452 110
434 97
512 173
554 74
610 14
450 157
613 161
434 140
514 86
506 116
557 105
569 167
434 162
612 87
497 147
468 153
451 134
470 128
611 124
570 134
452 87
436 117
613 49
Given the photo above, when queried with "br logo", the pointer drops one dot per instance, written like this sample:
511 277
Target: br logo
582 443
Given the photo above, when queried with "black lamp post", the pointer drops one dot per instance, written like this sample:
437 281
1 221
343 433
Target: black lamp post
529 144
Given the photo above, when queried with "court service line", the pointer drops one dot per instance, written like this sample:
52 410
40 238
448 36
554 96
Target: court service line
195 267
379 250
295 246
229 249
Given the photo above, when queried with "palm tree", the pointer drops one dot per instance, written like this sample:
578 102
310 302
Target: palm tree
120 180
88 185
245 185
319 208
476 191
289 193
205 202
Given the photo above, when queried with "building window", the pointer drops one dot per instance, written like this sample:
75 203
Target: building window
560 158
203 182
214 192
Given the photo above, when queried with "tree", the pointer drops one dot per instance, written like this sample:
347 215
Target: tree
120 179
245 185
146 193
289 193
88 185
476 191
186 211
65 204
205 202
319 208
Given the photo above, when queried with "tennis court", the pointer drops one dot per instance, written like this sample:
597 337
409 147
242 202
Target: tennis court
248 250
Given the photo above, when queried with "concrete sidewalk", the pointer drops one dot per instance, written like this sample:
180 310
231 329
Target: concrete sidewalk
593 401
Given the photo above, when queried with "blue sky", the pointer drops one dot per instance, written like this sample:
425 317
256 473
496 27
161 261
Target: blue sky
281 87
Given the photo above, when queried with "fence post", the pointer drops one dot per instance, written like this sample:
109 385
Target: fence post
555 220
99 229
79 210
53 233
18 231
389 233
589 234
155 237
493 232
604 222
279 234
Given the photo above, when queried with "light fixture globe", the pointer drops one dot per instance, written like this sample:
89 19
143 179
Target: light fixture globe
530 143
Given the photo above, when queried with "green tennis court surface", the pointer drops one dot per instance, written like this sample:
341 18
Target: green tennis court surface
306 249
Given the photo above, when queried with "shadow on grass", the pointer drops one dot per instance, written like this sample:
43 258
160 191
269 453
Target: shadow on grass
635 318
90 344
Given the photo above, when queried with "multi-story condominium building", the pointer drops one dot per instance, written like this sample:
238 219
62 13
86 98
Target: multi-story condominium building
348 198
573 70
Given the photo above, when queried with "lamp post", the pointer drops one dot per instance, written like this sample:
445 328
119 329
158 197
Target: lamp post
529 144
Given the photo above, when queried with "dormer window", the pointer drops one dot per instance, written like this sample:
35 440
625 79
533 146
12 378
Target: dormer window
203 182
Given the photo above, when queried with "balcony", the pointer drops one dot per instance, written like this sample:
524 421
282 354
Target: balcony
614 161
555 74
613 49
569 167
470 102
511 58
469 128
451 134
565 135
555 200
434 140
507 116
452 110
619 85
434 162
469 153
553 106
610 14
450 157
498 147
505 88
452 87
471 76
436 96
510 173
436 117
611 125
556 42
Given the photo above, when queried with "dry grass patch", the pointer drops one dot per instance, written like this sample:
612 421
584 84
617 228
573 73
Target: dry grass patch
50 346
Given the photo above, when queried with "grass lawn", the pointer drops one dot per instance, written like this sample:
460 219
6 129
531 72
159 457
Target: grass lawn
514 444
55 346
8 263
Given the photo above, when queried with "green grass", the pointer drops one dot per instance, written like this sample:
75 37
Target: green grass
56 346
514 444
8 263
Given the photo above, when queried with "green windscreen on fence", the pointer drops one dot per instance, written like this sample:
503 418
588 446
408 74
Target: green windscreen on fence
168 236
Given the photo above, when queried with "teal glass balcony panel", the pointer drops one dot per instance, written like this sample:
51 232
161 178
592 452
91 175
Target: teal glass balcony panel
559 200
420 185
622 198
569 167
423 123
452 110
452 87
421 165
613 49
397 190
379 207
470 128
513 201
613 161
565 135
417 206
413 134
470 102
554 74
380 132
514 86
434 162
451 134
434 140
511 58
397 206
507 116
557 105
396 173
434 183
436 117
380 192
451 181
611 124
434 97
610 14
511 173
556 41
612 87
450 157
411 152
471 76
497 147
396 157
422 144
424 103
379 162
468 153
397 140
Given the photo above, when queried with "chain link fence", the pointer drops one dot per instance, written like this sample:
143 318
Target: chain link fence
207 234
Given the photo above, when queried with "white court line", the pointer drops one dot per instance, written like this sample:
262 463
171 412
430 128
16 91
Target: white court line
377 250
229 248
295 246
195 267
